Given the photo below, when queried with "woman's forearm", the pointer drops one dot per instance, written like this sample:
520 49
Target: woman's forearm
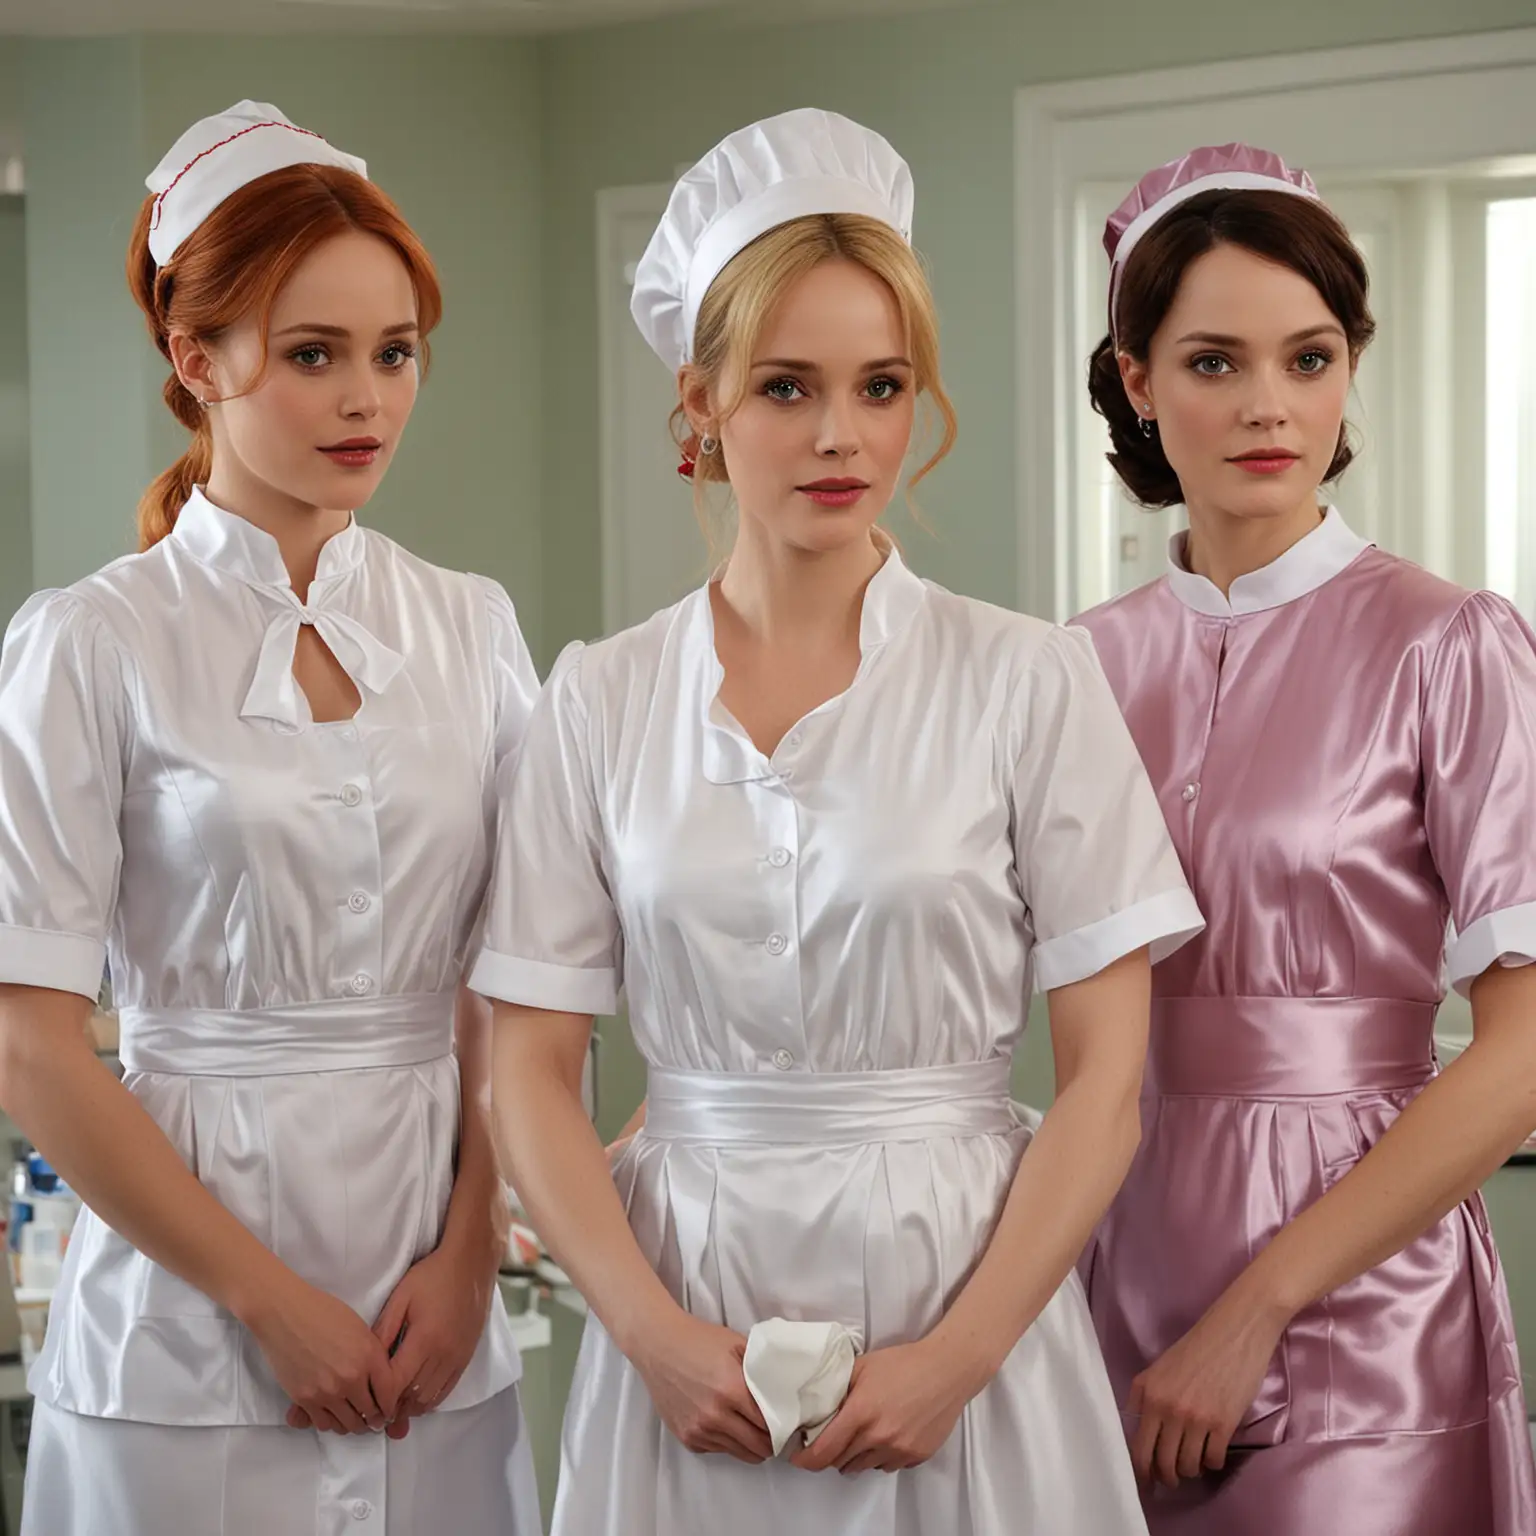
1075 1163
116 1158
561 1172
1441 1149
478 1218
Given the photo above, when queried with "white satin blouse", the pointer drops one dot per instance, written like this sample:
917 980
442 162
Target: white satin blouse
286 909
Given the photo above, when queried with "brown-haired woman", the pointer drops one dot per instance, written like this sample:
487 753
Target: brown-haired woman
1296 1289
252 765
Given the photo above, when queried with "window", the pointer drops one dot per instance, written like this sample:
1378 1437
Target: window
1444 404
1510 400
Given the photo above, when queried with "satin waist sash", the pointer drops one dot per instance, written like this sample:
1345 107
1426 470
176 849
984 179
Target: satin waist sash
305 1037
830 1108
1288 1047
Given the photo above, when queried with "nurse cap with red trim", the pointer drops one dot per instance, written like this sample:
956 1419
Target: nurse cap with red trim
217 156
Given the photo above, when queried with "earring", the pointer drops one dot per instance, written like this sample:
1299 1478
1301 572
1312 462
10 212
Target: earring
1147 429
709 445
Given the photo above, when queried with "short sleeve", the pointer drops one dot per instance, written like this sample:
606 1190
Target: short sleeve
1478 750
62 747
552 937
513 678
1097 868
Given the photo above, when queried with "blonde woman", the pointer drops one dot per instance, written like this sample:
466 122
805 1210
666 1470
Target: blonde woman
828 823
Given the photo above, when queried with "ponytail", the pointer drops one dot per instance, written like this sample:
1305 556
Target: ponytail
169 491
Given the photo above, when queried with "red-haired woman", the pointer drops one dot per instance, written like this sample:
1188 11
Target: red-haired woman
252 767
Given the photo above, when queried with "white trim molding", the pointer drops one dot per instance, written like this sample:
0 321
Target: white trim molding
1407 108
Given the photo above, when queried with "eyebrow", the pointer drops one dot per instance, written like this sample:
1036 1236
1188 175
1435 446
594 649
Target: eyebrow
405 328
800 365
1215 339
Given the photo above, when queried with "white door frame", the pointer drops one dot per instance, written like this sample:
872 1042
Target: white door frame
1335 104
614 205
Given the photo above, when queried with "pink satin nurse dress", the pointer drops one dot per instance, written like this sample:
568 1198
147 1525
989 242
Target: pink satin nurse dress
1345 750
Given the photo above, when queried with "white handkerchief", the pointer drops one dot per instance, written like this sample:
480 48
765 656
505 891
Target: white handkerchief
798 1374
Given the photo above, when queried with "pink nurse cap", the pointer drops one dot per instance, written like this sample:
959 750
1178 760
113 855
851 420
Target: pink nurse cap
1221 167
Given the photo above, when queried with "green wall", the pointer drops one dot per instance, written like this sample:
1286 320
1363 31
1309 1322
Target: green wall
91 387
15 448
10 96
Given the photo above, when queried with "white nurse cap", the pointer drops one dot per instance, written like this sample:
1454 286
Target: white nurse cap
218 156
786 167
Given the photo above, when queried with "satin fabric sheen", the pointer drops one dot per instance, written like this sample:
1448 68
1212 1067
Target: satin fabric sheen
1345 760
828 953
468 1472
288 909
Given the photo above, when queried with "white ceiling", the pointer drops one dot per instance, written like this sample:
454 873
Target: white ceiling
83 17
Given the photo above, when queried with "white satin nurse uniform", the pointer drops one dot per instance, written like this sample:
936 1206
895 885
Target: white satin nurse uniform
828 956
286 908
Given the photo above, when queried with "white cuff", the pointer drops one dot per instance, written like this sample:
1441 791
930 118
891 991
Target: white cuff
1507 937
39 957
1164 922
535 984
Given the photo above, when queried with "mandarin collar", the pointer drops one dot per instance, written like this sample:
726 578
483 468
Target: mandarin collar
1308 564
238 547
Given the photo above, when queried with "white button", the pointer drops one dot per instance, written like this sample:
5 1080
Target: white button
359 901
351 794
783 1060
361 1509
349 733
786 774
361 982
777 943
795 738
779 857
1191 790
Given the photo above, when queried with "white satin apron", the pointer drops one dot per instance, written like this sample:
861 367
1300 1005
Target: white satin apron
287 908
